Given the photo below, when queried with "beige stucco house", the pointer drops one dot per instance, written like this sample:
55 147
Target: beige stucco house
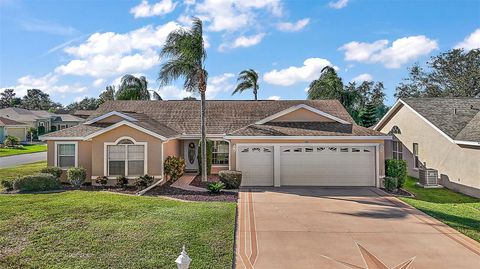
441 133
274 143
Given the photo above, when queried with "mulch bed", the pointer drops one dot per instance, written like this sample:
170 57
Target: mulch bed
169 191
197 181
400 192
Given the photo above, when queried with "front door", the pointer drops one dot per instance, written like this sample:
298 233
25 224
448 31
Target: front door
190 151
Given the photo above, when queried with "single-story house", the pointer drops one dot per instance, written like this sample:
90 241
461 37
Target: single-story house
13 128
273 143
441 133
40 118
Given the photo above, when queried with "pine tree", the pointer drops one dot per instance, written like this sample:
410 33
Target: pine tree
369 116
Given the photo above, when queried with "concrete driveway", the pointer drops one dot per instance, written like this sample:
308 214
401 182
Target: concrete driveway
343 228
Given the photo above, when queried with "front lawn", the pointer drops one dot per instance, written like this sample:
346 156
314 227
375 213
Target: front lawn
25 150
22 170
459 211
78 229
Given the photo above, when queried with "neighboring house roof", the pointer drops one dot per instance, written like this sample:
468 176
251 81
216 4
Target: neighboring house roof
25 115
457 118
7 122
83 113
171 119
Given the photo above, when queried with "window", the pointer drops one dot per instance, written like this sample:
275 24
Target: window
66 155
343 149
126 159
395 130
416 162
397 150
220 152
62 126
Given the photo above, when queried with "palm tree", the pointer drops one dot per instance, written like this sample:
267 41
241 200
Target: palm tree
133 88
184 55
248 79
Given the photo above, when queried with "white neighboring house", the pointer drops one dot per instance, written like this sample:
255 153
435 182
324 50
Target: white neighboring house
443 133
13 128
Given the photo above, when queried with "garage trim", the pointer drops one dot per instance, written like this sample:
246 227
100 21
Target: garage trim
276 156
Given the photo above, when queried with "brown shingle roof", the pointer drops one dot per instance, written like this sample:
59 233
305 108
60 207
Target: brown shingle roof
222 116
5 122
76 131
305 129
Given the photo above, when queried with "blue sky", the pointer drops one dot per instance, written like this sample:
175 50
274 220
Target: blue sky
73 49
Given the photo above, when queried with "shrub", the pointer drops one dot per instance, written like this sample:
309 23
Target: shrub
231 179
396 169
6 184
37 182
11 141
174 167
102 180
76 176
215 187
52 170
144 181
391 184
209 157
122 181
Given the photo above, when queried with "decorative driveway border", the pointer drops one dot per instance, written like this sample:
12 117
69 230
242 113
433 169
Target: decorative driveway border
273 233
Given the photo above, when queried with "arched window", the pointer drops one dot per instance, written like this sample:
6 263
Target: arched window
395 130
126 157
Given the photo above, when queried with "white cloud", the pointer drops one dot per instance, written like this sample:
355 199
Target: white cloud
399 52
47 83
310 70
144 9
293 27
109 54
231 15
98 82
170 92
470 42
218 84
338 4
363 77
274 97
248 41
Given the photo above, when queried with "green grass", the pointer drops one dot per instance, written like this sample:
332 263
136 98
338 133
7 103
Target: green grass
22 170
459 211
25 150
78 229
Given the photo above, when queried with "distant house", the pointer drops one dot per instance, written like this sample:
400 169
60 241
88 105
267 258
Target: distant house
83 113
40 119
441 133
13 128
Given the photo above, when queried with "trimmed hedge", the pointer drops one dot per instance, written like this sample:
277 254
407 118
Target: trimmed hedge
231 179
209 156
76 176
55 171
396 169
6 184
391 184
37 182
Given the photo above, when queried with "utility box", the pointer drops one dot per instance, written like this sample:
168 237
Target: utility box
428 177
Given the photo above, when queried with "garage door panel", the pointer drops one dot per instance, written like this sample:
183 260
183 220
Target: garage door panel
327 166
256 164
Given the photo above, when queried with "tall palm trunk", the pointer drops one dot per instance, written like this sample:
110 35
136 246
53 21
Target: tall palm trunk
255 93
203 88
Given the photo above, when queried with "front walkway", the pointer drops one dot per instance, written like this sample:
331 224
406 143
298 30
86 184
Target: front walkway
184 183
343 228
15 160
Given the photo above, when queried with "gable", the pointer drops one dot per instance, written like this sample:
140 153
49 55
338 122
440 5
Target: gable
302 115
111 119
124 130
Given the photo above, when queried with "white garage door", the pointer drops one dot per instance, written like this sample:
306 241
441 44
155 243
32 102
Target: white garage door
17 132
256 164
327 166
